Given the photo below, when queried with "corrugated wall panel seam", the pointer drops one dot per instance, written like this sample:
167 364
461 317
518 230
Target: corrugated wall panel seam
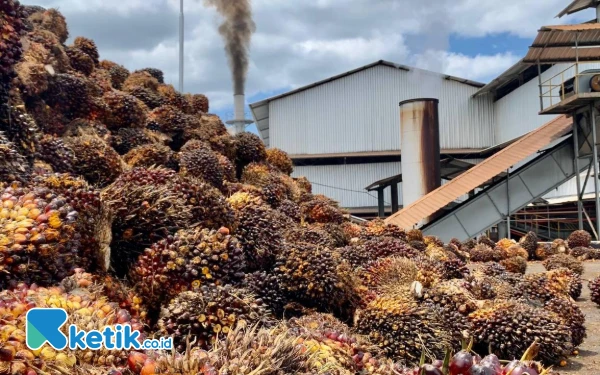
360 113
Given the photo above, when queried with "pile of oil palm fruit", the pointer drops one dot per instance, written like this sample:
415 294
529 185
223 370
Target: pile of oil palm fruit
124 201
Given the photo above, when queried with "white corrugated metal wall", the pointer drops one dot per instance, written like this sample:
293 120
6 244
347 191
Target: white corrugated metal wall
517 113
360 113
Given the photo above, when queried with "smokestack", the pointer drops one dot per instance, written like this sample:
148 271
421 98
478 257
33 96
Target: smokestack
420 132
239 123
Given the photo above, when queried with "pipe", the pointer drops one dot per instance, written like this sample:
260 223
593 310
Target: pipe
578 176
238 106
595 161
420 139
181 46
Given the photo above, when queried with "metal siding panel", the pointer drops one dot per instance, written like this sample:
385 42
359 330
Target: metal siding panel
360 113
517 113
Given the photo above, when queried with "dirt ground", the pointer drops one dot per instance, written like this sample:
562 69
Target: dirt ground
588 360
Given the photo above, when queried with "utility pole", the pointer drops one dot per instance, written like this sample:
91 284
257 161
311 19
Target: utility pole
181 46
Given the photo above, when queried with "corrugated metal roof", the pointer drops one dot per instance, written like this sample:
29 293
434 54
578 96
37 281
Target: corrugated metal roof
504 78
576 6
555 44
486 170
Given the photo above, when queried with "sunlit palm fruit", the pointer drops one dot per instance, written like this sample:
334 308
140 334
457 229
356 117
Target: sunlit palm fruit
509 328
210 313
515 264
564 261
378 228
360 254
571 315
95 160
198 160
579 238
321 209
280 160
187 260
544 250
150 155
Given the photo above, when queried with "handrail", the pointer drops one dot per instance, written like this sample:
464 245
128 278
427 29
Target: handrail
548 87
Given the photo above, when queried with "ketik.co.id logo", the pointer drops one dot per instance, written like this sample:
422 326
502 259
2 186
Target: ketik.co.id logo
44 326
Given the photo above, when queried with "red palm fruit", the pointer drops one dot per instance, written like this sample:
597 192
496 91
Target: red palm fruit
430 370
461 363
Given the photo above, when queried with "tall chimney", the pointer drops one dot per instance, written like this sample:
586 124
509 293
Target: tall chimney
420 137
239 123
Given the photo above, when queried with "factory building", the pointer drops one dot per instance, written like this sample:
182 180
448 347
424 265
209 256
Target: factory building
343 133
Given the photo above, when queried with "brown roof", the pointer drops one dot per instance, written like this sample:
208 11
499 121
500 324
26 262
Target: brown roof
478 175
576 6
555 44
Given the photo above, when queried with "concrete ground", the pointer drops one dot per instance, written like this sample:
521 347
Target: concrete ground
588 360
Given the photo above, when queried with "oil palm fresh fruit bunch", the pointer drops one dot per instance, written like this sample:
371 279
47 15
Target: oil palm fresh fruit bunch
579 238
515 265
564 261
530 243
378 228
359 254
594 286
280 160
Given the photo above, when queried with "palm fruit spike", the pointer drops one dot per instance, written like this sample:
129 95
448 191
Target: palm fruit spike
509 328
579 238
266 287
484 253
69 94
378 228
280 160
84 309
515 265
403 331
13 166
316 277
563 260
118 73
571 316
53 21
309 234
210 313
54 151
88 46
260 230
544 251
150 155
125 139
124 110
80 61
453 295
149 204
173 98
360 254
197 159
249 149
187 260
594 286
95 160
46 232
198 103
529 243
23 132
563 280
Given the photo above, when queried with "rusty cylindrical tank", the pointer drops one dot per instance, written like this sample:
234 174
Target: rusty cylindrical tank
420 135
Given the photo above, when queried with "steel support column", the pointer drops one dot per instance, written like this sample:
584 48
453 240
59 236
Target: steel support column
595 161
394 188
508 203
577 176
381 203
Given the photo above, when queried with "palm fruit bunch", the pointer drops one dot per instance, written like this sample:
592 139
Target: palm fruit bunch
11 29
290 209
156 73
259 229
149 204
566 281
321 209
124 140
545 286
386 275
124 110
266 287
508 328
505 243
23 132
452 295
564 261
594 286
198 103
316 277
483 239
515 264
248 149
559 246
143 86
572 317
80 61
579 238
280 160
403 331
187 260
197 159
208 313
544 251
516 250
173 98
361 253
529 242
45 233
122 293
170 120
378 228
311 234
95 160
70 95
150 155
88 47
272 183
468 245
51 20
86 310
580 253
484 253
432 271
433 241
13 166
54 151
118 73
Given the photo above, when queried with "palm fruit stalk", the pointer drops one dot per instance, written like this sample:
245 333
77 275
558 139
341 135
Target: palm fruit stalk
187 260
150 204
508 328
209 313
403 331
564 261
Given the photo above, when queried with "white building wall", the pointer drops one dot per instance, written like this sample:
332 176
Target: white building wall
517 113
360 113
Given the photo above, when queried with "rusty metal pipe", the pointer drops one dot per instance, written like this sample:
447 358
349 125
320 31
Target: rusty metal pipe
420 138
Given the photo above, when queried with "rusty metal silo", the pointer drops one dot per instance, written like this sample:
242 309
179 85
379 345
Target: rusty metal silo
420 136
